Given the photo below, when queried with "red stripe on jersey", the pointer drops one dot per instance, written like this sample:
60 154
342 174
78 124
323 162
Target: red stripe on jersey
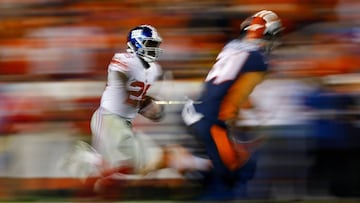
119 63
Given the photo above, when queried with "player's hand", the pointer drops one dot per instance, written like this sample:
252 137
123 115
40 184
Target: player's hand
151 110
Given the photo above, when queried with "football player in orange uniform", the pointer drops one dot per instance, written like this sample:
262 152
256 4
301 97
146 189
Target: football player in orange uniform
240 67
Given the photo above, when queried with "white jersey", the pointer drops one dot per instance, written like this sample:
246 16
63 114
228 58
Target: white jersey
123 99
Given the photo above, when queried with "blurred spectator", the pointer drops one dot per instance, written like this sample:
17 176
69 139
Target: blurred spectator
65 50
336 144
5 106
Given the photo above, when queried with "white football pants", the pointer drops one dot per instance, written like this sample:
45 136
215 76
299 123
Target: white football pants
114 138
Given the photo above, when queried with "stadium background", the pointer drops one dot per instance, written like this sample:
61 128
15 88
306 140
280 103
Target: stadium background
53 59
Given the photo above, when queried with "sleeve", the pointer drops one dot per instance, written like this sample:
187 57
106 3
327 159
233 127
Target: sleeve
118 63
255 63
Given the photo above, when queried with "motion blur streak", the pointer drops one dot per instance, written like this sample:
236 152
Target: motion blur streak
53 56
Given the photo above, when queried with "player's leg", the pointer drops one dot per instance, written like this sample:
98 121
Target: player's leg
225 156
214 183
231 164
114 140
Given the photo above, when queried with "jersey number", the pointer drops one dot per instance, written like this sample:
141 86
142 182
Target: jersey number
227 67
137 92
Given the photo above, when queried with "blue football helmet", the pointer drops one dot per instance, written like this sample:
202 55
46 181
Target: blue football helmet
144 41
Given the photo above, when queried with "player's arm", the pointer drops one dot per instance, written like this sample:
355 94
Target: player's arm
246 84
122 76
239 93
252 73
120 68
150 109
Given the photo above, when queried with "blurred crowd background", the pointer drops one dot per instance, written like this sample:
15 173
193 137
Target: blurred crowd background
53 63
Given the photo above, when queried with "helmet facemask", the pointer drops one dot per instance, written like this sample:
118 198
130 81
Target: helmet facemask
150 50
271 41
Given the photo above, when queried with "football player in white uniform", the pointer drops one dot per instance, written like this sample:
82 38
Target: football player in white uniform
130 75
115 145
